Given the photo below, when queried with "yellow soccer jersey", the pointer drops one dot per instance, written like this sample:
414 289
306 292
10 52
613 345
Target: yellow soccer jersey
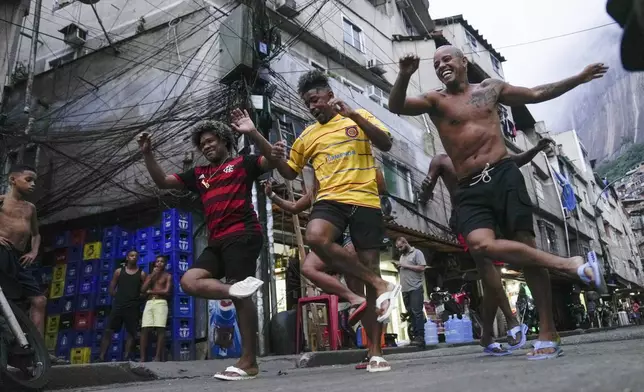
342 158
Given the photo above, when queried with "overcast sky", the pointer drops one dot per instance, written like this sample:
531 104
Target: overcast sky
510 22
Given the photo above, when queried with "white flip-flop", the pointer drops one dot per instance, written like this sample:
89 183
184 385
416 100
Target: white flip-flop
388 296
245 288
240 375
376 369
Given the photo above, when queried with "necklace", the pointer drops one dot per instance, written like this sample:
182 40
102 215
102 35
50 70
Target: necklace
206 182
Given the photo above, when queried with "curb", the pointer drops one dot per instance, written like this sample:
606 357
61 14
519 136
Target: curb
80 376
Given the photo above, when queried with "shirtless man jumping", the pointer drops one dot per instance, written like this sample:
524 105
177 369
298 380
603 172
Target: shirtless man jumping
19 231
441 166
491 190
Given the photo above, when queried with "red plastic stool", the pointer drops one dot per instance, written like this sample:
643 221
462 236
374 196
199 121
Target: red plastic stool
331 302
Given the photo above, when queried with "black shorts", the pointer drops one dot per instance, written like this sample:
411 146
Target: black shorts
128 315
366 225
501 203
233 258
344 239
16 281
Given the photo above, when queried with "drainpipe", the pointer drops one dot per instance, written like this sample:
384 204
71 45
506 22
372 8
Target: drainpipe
563 212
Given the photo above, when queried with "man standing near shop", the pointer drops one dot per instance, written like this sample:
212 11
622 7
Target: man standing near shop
411 267
157 287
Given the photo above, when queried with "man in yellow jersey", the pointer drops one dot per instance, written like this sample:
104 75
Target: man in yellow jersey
338 146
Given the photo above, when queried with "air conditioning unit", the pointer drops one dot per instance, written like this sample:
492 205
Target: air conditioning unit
374 93
376 66
287 8
74 35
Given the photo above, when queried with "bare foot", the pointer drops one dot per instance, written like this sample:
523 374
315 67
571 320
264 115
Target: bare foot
384 306
517 339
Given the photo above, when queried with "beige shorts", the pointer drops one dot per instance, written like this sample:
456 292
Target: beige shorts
155 314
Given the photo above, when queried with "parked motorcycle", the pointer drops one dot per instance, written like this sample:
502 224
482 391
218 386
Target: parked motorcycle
528 314
578 312
24 360
457 304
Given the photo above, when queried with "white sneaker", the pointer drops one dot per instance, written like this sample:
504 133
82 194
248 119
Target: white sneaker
245 288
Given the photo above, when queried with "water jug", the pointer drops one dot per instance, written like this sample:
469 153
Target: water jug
457 330
468 335
431 333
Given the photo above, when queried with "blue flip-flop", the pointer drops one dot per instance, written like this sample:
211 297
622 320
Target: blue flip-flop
543 344
523 329
593 264
489 350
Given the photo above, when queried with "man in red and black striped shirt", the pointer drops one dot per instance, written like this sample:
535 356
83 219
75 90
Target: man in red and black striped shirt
235 242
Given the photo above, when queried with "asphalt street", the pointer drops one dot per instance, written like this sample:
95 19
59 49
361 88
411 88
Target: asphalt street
600 366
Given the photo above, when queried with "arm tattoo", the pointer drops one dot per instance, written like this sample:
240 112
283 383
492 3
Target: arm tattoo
553 90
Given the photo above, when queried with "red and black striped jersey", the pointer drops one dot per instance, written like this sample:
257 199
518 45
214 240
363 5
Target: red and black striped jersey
226 194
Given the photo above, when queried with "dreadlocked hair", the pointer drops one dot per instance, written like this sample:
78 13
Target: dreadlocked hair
312 79
217 128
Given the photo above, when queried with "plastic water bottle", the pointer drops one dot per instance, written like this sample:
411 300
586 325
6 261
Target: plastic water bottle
448 331
468 335
457 325
431 333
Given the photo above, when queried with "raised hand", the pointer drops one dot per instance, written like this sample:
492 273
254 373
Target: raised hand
341 107
409 64
241 122
145 142
545 143
278 151
593 71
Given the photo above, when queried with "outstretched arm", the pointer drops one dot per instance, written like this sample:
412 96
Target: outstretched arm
514 96
527 156
295 207
242 123
162 180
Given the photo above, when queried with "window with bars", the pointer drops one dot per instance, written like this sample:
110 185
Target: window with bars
398 179
352 34
496 64
548 237
471 39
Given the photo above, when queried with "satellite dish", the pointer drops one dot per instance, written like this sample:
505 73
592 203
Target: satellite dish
89 2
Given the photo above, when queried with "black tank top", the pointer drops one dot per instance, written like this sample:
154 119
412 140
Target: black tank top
128 289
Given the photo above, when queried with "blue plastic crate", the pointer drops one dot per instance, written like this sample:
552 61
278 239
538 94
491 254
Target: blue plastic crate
65 339
183 350
81 338
179 262
111 253
62 240
183 328
87 284
142 235
74 253
73 270
177 241
71 286
127 242
63 353
46 274
107 265
183 306
176 285
110 243
118 336
103 299
155 232
176 220
68 304
156 245
103 288
142 246
105 276
112 232
86 302
100 323
90 268
66 321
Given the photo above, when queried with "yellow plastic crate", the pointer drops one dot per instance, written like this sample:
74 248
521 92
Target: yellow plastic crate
59 272
51 339
53 323
57 290
79 356
92 251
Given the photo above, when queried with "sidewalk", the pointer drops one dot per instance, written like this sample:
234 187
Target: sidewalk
78 376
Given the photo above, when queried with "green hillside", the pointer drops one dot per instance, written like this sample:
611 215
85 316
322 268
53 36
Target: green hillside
625 162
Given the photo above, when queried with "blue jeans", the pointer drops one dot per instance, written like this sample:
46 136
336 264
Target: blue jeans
413 301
